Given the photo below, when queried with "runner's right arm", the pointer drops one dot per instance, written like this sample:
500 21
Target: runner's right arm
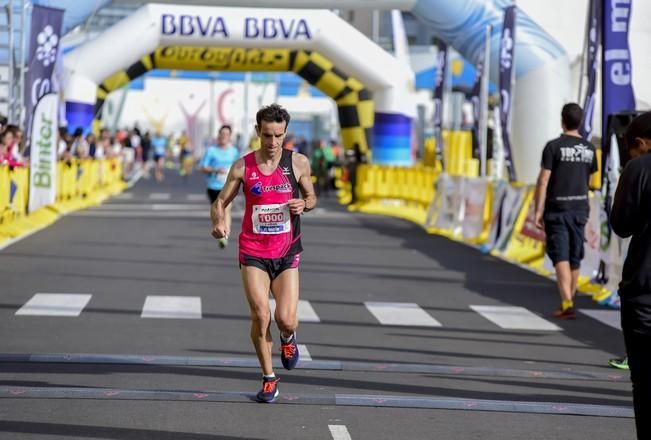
226 196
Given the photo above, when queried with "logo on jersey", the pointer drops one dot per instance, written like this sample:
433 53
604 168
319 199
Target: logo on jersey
286 170
253 176
282 188
257 189
577 153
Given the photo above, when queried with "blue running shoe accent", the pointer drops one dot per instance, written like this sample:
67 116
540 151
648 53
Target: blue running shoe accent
289 353
269 390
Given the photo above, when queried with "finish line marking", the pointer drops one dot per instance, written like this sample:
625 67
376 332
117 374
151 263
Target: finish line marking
385 401
304 363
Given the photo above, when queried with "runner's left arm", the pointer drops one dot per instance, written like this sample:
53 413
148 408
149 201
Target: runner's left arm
302 171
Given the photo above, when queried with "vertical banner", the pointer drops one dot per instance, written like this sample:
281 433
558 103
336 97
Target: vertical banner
475 98
617 88
439 85
42 175
593 37
43 53
507 46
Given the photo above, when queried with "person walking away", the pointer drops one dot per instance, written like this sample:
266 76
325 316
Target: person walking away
277 189
215 164
631 217
561 203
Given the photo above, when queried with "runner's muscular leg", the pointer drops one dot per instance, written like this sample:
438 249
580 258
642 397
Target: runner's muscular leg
256 286
285 290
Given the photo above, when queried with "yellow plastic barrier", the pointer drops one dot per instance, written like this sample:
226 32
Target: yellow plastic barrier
20 178
5 190
527 242
394 191
79 184
595 179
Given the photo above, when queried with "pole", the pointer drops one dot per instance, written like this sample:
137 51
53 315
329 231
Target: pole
11 90
211 110
586 37
483 102
375 25
246 129
512 99
23 63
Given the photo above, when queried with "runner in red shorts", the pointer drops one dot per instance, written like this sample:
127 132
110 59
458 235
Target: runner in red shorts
278 189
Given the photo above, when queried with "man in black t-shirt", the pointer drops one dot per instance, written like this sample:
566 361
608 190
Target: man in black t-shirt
631 217
562 207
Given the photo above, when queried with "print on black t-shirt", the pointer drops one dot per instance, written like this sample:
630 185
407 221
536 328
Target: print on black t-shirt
571 160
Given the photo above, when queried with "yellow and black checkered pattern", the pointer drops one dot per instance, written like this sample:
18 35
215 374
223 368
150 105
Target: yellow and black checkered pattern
354 101
116 81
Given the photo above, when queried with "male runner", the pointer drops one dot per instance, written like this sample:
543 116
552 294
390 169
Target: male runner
215 163
270 241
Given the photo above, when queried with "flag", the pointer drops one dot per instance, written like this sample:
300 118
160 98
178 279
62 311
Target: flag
44 41
617 88
43 163
475 98
439 85
507 44
594 15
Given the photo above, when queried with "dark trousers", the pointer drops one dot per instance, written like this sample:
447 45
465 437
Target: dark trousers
636 326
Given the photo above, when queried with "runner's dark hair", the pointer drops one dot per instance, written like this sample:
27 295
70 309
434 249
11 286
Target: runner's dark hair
272 113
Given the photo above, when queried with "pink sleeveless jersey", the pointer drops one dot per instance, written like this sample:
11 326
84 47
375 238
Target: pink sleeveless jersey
268 228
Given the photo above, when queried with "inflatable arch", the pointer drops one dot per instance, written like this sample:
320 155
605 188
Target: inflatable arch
372 89
354 101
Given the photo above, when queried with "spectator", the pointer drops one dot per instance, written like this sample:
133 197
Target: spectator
631 217
15 148
301 145
6 142
92 145
79 146
289 143
62 144
322 160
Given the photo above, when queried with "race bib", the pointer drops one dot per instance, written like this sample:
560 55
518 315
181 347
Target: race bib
271 219
221 177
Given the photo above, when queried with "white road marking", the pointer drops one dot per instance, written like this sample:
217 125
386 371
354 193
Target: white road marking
608 317
519 318
123 196
160 196
197 198
54 304
304 353
339 432
406 314
305 311
172 307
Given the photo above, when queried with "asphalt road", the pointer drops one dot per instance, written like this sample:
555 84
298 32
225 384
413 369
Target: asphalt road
151 338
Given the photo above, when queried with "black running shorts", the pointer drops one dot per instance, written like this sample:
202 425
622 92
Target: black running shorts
565 232
273 266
